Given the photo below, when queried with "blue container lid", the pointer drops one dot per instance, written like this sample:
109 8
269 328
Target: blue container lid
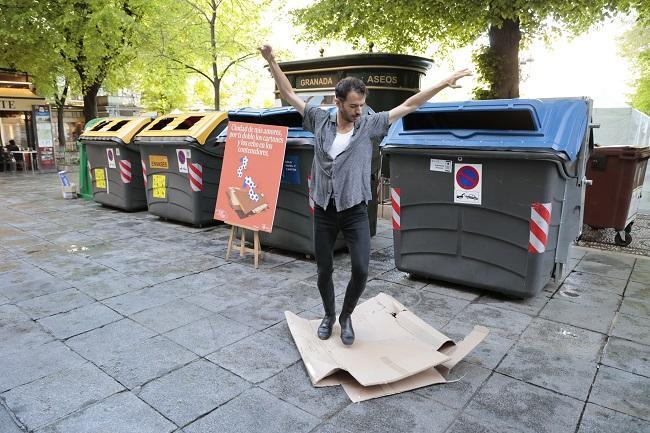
502 124
281 116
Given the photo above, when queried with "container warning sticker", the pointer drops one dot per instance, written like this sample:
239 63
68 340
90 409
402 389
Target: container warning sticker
159 186
110 157
100 178
182 155
117 151
467 183
442 165
158 161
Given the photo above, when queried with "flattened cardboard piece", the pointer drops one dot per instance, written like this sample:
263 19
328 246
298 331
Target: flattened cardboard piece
394 351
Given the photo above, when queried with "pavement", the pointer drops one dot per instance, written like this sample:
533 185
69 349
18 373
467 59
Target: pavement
119 322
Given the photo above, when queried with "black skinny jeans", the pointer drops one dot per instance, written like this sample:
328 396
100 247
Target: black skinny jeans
353 222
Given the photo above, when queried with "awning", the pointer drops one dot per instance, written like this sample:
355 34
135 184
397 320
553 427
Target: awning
18 99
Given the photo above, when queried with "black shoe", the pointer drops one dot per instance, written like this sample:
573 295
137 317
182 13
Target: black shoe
325 328
347 333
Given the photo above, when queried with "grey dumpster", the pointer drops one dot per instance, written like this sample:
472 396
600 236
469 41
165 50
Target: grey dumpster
183 165
114 162
293 223
489 193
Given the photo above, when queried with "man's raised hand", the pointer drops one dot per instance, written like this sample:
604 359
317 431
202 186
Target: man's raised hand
267 52
451 81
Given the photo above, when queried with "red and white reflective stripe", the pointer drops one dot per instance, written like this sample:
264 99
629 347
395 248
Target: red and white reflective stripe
540 220
144 172
395 201
196 176
311 198
125 170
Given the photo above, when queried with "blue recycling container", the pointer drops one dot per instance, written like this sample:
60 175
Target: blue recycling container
490 193
293 222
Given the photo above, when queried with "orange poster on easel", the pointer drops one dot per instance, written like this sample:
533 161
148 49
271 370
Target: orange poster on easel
250 175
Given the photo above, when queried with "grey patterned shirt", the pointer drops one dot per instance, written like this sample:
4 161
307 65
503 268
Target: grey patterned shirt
346 178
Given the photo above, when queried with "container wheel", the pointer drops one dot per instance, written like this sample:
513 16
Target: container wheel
623 242
628 228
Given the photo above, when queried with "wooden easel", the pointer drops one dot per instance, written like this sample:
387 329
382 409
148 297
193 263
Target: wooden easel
242 247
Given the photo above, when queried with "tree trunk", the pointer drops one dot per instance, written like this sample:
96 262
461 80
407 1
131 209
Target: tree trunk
60 127
60 105
504 44
90 100
217 100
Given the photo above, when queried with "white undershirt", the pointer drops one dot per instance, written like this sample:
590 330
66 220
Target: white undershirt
341 142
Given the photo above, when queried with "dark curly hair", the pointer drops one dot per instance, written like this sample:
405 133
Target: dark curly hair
348 84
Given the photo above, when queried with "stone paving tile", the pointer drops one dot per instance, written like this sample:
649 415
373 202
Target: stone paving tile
10 314
99 344
642 264
606 270
554 356
209 334
584 311
406 412
256 358
632 328
139 300
622 391
640 276
531 306
45 400
272 415
636 307
266 310
192 391
31 363
617 260
454 290
598 419
120 413
221 298
506 323
296 270
506 403
597 282
627 355
403 278
55 303
469 424
23 287
293 385
7 422
108 284
145 360
464 380
79 320
18 336
170 316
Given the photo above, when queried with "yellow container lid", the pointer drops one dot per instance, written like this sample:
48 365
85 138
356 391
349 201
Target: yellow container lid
122 128
196 125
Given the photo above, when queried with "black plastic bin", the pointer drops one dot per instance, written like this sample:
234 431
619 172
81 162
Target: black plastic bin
489 193
183 165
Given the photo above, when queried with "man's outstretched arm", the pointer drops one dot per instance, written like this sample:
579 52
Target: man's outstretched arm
412 103
281 80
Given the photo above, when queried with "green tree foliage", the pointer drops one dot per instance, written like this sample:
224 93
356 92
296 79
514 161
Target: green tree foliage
635 45
208 38
83 41
414 25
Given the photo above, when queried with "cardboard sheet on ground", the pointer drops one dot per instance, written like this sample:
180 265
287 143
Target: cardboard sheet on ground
394 351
